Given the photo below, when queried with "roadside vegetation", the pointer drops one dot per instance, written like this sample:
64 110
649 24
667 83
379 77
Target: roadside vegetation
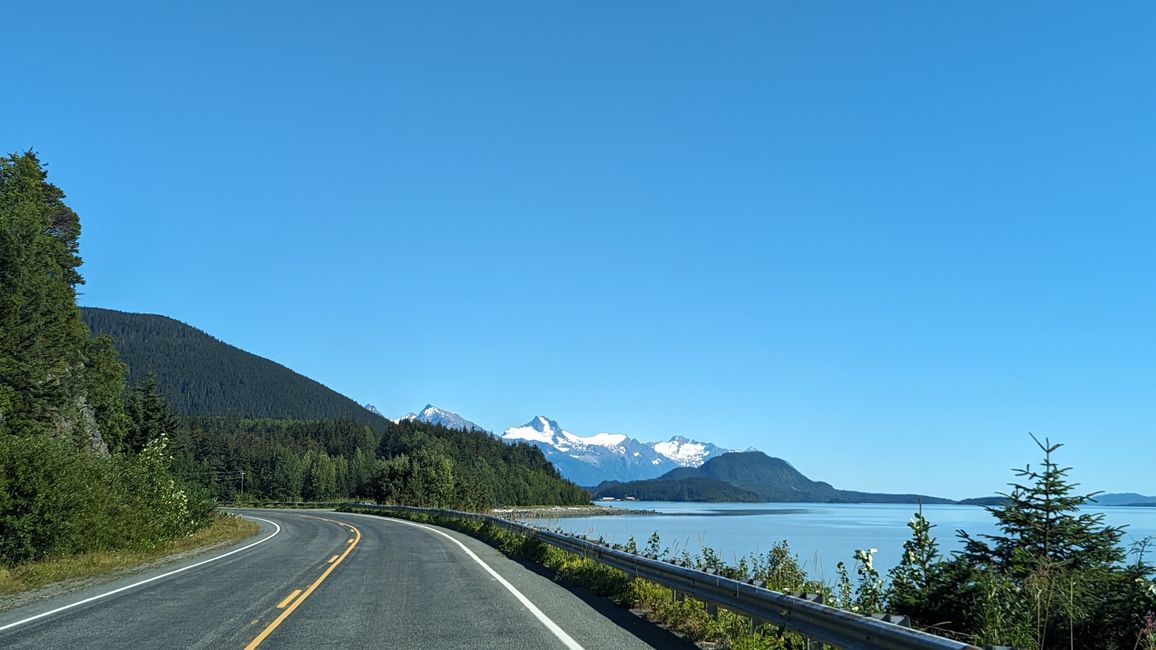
1054 577
85 465
223 529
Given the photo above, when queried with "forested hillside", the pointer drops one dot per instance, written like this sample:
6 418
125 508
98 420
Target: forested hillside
292 438
695 488
200 375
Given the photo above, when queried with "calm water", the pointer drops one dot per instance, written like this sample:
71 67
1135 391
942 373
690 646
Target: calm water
821 534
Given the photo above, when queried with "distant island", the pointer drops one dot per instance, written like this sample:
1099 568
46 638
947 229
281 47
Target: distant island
753 476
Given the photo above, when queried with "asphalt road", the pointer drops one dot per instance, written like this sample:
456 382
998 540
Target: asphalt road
319 579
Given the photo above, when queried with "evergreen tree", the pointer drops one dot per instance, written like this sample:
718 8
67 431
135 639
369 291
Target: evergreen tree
104 374
1052 578
1042 524
41 334
149 416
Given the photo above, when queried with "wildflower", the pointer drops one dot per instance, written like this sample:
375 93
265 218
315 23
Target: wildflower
865 556
1151 587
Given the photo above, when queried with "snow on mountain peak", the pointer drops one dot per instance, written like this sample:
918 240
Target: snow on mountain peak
543 429
686 452
434 415
540 429
543 423
605 439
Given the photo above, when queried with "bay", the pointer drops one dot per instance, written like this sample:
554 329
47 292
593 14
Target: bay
821 534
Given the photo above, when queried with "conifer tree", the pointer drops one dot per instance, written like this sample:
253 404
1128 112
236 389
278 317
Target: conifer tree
1041 524
41 334
149 415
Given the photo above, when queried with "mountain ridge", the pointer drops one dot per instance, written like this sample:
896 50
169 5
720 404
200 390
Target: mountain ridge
201 375
769 478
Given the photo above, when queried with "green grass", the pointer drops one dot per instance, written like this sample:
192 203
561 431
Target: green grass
34 575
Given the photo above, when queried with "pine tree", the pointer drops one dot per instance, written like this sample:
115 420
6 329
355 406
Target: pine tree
1042 524
41 334
1052 578
149 416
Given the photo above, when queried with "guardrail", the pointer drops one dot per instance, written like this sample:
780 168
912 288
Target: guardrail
813 620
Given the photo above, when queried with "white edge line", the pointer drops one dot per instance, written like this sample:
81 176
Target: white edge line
144 582
533 609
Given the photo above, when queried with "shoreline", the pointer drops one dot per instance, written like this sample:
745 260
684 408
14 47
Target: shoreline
557 512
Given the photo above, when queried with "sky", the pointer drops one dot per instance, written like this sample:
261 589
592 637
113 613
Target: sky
883 241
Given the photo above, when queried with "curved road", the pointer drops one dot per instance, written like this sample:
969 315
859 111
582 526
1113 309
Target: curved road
314 579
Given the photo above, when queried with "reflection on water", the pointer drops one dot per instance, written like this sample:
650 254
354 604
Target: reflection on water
821 534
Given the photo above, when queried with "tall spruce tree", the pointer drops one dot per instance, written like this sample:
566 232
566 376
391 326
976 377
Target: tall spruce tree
149 416
42 337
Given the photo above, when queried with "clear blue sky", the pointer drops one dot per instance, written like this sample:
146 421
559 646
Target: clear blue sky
880 240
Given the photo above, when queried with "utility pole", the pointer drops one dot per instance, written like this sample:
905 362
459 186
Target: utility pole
242 486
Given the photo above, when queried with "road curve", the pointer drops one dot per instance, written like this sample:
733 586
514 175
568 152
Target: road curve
325 579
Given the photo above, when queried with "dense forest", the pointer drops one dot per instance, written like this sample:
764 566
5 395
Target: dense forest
410 463
200 375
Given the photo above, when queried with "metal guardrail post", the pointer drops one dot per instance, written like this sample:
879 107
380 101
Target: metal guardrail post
813 620
812 644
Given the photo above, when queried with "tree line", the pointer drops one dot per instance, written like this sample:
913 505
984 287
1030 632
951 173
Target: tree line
410 462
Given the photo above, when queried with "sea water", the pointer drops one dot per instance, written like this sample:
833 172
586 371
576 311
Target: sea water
820 534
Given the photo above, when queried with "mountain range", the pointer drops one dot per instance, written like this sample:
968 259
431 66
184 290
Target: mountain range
201 376
680 469
588 460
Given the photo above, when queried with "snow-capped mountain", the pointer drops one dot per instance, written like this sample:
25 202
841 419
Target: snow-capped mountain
688 453
371 408
589 460
434 415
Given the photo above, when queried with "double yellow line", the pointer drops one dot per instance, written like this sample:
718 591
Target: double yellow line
291 601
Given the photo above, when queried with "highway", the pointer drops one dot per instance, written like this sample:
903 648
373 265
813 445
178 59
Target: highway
316 579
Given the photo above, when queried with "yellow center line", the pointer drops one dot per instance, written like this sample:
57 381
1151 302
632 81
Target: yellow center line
332 559
290 597
308 590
